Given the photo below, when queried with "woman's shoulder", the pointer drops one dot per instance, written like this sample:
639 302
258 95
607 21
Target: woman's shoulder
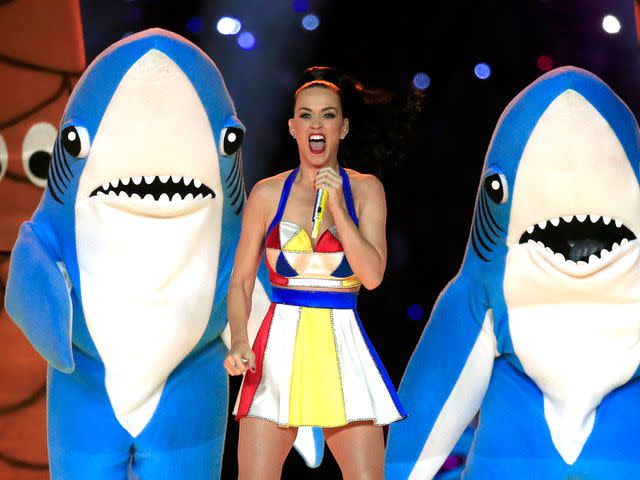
270 186
364 184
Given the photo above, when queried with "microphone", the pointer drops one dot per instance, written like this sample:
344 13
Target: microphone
318 211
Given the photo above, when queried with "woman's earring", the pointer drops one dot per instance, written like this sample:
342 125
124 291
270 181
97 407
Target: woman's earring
293 134
342 136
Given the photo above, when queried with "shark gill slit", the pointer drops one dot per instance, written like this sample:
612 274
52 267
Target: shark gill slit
235 184
51 182
56 158
483 200
475 247
485 215
55 162
64 158
483 223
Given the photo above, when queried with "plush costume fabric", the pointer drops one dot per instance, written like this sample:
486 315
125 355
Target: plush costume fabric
540 328
41 58
119 279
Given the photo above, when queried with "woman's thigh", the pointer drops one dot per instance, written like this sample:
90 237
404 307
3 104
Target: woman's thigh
359 450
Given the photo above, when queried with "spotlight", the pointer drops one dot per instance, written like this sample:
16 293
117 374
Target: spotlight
310 22
246 40
482 71
421 81
228 26
611 24
415 312
544 63
195 24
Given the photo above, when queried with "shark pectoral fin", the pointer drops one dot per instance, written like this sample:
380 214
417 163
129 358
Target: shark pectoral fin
443 386
38 299
310 445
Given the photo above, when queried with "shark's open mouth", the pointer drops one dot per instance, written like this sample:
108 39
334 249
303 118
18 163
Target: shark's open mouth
164 187
578 237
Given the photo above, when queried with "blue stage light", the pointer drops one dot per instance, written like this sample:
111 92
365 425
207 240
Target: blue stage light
246 40
310 22
228 25
421 81
415 312
300 6
482 71
195 24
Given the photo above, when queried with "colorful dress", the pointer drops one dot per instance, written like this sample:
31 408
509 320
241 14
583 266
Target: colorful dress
315 365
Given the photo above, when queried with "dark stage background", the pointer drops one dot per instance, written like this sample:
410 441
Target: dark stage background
385 44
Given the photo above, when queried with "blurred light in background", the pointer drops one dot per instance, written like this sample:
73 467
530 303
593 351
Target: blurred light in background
300 6
421 81
415 312
310 22
544 63
611 24
195 24
228 26
246 40
482 71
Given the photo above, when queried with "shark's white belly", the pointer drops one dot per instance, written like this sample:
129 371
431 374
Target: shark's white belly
147 291
576 354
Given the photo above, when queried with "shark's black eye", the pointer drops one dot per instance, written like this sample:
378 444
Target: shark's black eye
230 140
496 187
75 140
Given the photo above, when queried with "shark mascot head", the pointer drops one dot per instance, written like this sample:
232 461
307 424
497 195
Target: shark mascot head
540 330
119 279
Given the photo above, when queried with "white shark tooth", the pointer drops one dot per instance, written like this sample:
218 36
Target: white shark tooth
197 183
136 180
542 225
136 196
549 250
176 178
570 261
559 256
149 179
605 254
164 178
581 218
115 183
568 218
540 244
198 196
112 193
531 242
615 246
176 197
624 242
530 229
618 223
149 198
187 180
593 258
555 221
100 193
105 186
125 181
606 220
123 194
163 198
594 218
582 263
208 195
188 196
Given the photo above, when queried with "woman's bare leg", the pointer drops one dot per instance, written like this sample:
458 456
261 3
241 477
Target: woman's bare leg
359 450
262 449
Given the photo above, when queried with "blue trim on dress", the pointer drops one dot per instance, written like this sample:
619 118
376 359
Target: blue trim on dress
314 299
383 372
284 196
348 195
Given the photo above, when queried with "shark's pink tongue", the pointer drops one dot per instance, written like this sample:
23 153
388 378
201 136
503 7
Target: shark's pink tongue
317 146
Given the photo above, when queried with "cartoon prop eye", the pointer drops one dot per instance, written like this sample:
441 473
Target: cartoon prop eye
4 157
75 140
230 140
497 188
36 152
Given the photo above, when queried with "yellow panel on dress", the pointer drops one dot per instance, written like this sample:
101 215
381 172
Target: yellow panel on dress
316 388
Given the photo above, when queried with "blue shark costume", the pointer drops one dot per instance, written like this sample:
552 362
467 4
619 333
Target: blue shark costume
120 278
540 329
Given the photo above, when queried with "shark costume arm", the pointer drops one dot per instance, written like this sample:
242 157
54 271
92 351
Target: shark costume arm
38 299
309 441
443 385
